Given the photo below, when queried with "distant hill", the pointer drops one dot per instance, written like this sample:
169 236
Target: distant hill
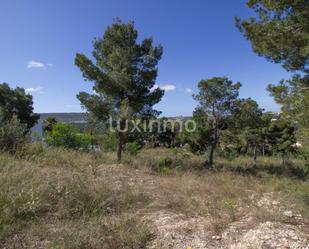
70 117
77 118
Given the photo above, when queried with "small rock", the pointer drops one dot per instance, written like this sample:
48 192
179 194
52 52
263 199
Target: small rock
275 203
288 213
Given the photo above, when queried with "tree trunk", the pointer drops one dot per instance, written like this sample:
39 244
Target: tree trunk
92 142
211 155
255 153
120 146
214 142
121 131
284 159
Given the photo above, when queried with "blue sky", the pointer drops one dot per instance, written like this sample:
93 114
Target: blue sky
39 40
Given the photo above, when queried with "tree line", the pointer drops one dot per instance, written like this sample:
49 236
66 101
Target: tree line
124 73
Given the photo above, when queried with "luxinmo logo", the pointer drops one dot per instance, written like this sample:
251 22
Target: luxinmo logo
153 125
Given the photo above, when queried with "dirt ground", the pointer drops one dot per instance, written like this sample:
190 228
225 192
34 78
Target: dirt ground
177 230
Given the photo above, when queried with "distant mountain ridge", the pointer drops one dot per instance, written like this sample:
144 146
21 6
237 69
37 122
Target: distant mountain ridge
78 118
66 117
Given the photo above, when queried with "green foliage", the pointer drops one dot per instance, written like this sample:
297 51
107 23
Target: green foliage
13 135
49 123
247 114
303 149
133 148
108 141
244 127
282 136
279 31
200 139
68 136
217 98
251 132
163 132
15 102
124 73
293 96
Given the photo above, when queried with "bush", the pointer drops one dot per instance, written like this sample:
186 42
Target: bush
68 136
304 152
227 153
13 135
109 141
133 148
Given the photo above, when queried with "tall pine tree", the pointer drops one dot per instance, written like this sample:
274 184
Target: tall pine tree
124 74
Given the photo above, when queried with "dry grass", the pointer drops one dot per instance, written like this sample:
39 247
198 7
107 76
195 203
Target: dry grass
230 192
163 160
34 193
55 198
295 168
100 232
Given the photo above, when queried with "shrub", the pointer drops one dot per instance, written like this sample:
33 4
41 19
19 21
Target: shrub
109 141
68 136
304 152
227 153
13 135
133 148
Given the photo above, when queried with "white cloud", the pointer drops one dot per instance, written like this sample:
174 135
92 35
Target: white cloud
38 89
35 64
38 65
188 90
167 88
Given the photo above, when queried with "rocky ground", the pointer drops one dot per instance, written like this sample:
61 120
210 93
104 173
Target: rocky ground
175 230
